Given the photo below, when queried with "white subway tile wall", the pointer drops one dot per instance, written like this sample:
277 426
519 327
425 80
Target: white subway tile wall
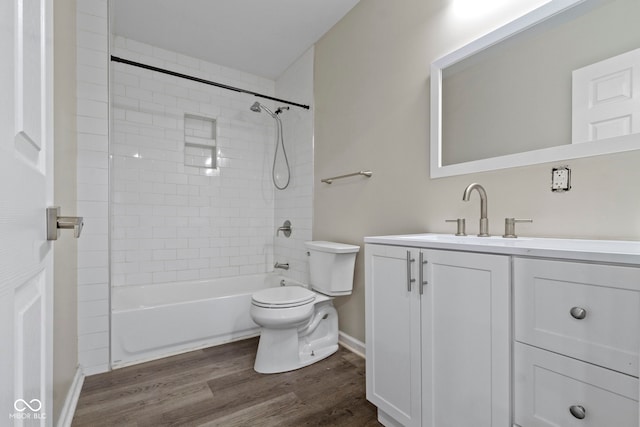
93 184
169 221
174 222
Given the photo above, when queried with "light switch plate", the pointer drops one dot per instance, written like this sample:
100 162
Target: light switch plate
560 179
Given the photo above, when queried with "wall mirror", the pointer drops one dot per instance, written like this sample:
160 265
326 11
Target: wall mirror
522 94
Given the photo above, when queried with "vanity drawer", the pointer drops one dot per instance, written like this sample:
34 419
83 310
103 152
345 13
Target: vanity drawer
549 297
547 385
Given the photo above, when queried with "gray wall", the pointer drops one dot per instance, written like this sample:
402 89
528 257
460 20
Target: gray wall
65 252
372 111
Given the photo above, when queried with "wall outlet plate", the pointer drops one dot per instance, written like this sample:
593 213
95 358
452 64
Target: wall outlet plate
560 179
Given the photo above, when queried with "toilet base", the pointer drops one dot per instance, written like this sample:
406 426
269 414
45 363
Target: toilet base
282 350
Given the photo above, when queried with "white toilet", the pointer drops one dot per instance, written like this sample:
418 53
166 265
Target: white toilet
300 326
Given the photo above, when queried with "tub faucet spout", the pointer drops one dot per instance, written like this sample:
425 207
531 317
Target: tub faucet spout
484 221
284 266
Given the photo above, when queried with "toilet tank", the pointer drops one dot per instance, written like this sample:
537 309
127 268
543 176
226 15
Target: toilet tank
331 267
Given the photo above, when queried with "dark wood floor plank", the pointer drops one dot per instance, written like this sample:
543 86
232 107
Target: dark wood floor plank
135 374
269 413
164 380
136 409
195 365
217 386
235 392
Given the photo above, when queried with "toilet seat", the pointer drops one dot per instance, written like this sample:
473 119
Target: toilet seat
283 297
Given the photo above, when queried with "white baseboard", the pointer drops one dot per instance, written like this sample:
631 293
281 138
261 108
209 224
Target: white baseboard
352 344
69 407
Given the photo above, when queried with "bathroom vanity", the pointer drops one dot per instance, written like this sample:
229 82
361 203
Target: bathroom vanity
492 332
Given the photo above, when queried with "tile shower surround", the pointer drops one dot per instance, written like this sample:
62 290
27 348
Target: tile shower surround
172 222
159 196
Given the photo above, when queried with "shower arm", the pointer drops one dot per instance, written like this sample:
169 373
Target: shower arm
271 113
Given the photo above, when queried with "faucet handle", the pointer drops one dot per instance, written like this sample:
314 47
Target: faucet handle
460 231
510 227
286 229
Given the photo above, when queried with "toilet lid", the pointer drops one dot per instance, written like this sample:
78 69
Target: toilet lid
283 297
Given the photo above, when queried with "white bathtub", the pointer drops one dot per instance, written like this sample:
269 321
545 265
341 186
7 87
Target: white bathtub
153 321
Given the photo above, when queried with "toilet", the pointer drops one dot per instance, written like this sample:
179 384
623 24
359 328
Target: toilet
299 326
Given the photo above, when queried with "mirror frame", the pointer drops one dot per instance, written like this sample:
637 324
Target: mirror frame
552 154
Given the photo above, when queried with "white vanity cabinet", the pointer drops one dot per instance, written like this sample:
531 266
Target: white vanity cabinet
506 332
438 336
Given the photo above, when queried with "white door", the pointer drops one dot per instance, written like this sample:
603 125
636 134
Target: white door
26 177
606 98
393 333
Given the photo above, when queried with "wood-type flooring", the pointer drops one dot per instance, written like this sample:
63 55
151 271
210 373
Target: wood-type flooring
217 386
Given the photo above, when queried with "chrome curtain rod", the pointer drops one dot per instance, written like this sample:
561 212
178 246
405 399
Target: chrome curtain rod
207 82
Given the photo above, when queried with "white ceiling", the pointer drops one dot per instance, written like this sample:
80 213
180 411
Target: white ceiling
262 37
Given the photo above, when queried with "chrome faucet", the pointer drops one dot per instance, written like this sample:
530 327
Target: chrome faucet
484 221
284 266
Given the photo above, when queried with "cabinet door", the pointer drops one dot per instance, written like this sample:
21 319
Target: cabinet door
393 333
466 340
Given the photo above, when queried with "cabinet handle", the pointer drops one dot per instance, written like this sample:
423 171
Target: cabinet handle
578 313
409 279
421 273
578 411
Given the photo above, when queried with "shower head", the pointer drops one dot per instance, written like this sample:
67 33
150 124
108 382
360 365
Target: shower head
255 107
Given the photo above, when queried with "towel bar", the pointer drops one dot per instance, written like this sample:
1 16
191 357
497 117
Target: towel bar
330 180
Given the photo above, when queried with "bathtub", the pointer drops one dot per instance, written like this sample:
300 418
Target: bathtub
153 321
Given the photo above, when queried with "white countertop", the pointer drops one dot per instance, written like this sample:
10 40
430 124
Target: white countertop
609 251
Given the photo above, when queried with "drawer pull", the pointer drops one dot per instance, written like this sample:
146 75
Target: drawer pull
578 411
578 313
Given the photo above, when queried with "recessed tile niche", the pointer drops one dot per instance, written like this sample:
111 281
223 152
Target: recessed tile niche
199 142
